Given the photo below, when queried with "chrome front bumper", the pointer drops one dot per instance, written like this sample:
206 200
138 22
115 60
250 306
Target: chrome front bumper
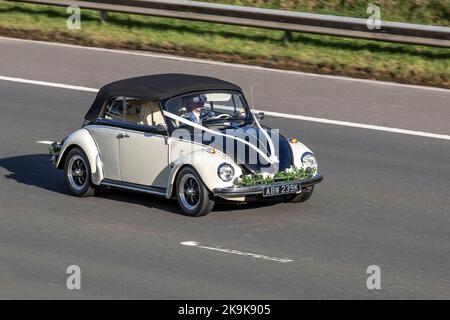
231 192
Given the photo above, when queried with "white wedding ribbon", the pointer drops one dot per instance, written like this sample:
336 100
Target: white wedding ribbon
272 159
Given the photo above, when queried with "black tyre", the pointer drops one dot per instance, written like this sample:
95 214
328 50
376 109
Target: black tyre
302 196
193 197
77 173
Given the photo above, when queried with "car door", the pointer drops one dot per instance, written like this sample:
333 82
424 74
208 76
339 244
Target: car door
143 146
104 131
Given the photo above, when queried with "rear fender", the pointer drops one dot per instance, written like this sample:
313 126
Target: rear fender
82 139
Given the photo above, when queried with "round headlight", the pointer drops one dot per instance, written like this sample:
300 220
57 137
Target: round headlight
225 172
309 161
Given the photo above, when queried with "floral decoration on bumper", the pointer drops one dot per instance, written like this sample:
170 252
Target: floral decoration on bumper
289 174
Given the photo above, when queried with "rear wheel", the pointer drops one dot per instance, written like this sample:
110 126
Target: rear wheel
78 174
302 196
192 195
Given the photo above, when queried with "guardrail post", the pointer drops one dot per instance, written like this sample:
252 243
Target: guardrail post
287 37
103 16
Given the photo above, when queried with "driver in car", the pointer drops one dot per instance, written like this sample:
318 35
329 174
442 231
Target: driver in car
196 105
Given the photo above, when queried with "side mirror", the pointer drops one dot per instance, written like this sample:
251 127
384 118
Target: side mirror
161 128
259 116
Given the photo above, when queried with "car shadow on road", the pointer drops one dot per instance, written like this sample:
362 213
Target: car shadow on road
229 206
171 205
36 170
138 198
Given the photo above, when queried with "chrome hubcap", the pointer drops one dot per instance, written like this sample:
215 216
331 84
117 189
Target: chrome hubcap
189 191
77 172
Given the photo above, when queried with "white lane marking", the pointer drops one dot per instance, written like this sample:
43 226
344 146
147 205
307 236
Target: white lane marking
269 113
242 253
45 142
356 125
227 64
48 84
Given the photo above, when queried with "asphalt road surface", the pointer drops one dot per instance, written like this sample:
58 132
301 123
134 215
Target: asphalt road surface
385 199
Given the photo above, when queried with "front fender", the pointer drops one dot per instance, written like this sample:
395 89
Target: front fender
206 164
298 149
80 138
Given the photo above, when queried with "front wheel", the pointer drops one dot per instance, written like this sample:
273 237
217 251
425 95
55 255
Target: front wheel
193 197
304 195
78 173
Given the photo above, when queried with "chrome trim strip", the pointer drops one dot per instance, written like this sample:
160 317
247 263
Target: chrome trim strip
133 187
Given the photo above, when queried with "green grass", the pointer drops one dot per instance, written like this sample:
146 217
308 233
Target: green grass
312 53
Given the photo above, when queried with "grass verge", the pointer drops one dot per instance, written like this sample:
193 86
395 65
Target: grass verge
310 53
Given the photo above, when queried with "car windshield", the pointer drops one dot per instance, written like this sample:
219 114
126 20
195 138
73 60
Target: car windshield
216 109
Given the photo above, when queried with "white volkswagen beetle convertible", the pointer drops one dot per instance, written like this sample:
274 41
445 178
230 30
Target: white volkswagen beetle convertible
187 137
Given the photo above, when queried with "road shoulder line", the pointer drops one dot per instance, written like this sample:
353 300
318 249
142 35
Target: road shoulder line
269 113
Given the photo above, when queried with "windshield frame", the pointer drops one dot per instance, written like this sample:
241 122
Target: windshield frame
249 114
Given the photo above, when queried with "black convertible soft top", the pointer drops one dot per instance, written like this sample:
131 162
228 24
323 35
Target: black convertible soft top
156 87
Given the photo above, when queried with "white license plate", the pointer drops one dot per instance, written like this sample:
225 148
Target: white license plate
280 189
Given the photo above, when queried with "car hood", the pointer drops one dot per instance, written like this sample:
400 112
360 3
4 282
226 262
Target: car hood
244 155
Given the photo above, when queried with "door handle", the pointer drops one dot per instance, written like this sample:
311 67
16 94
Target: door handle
122 135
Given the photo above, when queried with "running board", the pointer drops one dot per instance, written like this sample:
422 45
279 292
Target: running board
134 187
